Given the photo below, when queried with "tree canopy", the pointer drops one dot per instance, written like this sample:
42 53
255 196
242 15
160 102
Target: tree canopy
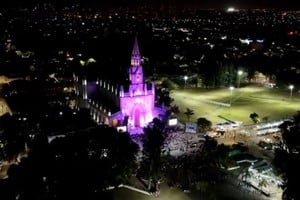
287 159
81 165
203 124
153 142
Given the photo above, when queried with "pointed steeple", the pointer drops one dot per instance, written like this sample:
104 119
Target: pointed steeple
135 50
136 69
135 55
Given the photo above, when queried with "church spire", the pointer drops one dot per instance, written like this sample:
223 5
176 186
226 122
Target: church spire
135 55
136 50
136 70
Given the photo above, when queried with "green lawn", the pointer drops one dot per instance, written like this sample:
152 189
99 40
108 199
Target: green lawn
266 102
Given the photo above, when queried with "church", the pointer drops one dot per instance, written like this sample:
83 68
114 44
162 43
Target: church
131 106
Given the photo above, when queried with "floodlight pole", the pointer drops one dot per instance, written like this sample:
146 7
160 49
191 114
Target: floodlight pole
291 93
239 73
185 79
231 88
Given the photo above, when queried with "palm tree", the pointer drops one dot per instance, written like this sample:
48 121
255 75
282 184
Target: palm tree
153 142
189 113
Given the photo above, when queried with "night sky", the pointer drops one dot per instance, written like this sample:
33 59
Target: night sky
294 4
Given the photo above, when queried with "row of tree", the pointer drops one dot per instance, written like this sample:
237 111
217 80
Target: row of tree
287 158
81 163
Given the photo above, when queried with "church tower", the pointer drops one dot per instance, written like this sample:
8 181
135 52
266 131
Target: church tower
136 102
136 69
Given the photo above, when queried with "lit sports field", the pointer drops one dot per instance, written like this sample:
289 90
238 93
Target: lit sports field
272 103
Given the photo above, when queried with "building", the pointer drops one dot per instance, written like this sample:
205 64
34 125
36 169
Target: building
131 106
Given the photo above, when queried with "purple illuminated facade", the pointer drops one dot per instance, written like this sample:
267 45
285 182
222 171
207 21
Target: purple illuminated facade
136 105
138 102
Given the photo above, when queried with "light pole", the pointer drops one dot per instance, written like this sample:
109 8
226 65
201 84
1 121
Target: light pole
291 87
231 88
239 73
185 79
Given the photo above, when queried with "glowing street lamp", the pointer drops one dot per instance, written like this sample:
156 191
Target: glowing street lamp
239 73
291 87
185 79
231 88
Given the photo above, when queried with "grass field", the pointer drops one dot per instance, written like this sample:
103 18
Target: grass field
272 103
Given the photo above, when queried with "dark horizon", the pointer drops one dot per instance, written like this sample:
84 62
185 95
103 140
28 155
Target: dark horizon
205 4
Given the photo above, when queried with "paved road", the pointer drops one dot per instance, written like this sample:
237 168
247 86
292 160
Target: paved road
250 141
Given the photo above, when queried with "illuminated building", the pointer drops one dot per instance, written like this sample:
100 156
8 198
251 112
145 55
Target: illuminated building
132 106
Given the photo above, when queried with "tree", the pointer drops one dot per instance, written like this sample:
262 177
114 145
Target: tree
175 109
265 118
287 159
188 113
255 117
81 165
153 142
170 85
221 154
163 97
172 111
202 187
203 124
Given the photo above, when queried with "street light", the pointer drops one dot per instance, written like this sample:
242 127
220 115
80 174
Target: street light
291 87
239 73
231 88
185 79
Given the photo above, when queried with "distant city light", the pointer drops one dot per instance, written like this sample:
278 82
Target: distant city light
260 41
291 87
246 41
231 9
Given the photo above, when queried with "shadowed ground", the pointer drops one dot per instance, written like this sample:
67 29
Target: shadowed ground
220 191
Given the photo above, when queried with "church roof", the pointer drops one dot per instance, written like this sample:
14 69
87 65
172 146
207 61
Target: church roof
136 50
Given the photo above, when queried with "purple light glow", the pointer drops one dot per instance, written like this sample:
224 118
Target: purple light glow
138 102
136 105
